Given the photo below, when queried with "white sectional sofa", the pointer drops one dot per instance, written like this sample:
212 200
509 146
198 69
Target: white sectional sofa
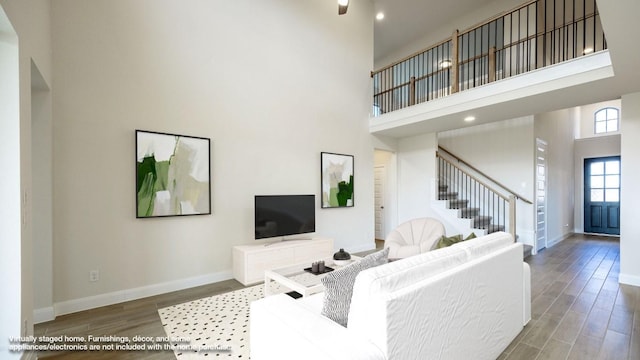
466 301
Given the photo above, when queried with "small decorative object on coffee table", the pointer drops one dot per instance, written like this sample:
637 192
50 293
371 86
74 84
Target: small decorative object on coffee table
318 268
341 257
298 278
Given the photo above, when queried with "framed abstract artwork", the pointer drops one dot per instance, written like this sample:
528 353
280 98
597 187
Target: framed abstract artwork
337 180
173 175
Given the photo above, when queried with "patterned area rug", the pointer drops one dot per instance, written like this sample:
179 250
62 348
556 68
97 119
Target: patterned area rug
216 326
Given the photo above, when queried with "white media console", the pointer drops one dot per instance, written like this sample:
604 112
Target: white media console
251 261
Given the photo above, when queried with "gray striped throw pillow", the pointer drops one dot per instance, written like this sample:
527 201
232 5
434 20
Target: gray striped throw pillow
338 286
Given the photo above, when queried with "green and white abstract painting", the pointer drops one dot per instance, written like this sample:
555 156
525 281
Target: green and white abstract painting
337 180
173 175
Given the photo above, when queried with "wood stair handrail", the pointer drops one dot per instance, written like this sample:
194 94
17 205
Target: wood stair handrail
515 194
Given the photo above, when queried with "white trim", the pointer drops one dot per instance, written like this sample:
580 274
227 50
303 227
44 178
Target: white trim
629 279
91 302
559 239
44 314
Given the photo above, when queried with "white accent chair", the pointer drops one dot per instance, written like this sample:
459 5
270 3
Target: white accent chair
414 237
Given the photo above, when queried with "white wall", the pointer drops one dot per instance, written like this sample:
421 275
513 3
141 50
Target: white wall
591 147
272 83
557 128
416 158
630 191
587 118
503 150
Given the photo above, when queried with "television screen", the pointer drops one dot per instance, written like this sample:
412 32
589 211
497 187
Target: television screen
280 215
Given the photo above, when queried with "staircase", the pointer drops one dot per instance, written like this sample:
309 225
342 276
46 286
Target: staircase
480 203
478 220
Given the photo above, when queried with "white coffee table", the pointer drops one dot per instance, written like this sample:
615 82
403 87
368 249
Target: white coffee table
296 279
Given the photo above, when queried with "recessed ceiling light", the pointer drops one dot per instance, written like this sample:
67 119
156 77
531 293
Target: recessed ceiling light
587 50
380 16
445 63
469 118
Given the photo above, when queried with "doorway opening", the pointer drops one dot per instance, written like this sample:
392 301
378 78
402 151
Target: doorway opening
385 211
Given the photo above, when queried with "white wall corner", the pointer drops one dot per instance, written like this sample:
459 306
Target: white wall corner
92 302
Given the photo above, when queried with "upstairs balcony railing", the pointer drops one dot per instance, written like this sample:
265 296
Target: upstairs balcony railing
537 34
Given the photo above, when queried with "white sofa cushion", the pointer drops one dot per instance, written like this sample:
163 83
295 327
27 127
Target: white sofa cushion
391 277
484 245
286 329
373 287
398 274
471 311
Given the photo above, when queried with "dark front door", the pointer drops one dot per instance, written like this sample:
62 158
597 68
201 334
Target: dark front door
602 195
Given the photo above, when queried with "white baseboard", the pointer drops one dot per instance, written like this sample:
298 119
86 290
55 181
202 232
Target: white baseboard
559 239
629 279
43 315
91 302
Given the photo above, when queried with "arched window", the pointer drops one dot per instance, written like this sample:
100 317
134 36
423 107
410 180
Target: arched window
607 120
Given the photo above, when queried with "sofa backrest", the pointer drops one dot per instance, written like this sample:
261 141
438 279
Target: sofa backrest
381 293
398 274
484 245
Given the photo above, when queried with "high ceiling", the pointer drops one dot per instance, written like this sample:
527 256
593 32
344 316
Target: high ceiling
406 17
407 21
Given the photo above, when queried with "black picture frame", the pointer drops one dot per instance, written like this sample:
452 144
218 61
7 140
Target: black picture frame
337 180
173 175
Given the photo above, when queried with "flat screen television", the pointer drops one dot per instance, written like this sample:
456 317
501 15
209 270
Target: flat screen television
282 215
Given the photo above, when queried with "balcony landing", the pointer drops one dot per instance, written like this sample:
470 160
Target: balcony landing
584 80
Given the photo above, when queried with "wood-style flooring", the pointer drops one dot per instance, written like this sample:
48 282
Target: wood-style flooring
579 310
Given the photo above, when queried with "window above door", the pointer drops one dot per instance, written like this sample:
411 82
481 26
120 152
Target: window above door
606 120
